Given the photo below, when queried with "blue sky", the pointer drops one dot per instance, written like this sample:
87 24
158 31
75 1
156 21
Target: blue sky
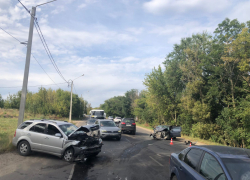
113 42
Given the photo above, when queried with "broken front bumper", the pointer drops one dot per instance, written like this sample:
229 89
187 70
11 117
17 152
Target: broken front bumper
84 152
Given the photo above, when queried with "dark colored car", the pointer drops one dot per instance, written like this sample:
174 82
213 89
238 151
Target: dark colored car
128 125
210 163
91 121
166 132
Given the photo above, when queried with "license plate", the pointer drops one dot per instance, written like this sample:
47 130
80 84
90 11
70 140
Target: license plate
128 125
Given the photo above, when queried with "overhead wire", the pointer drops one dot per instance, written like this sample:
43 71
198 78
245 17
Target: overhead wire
47 50
38 29
31 54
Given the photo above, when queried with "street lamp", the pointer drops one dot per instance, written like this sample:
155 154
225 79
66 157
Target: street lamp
70 111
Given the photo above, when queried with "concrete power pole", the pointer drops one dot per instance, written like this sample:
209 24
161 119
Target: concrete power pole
26 70
70 111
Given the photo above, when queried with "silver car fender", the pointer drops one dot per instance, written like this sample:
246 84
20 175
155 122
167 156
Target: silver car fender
24 138
69 143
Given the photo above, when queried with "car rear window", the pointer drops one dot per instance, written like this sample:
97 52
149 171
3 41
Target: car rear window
24 125
129 121
193 157
239 168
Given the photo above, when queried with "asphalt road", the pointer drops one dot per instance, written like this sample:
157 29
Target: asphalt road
134 157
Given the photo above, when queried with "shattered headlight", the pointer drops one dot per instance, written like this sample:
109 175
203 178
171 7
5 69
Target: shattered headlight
100 141
104 131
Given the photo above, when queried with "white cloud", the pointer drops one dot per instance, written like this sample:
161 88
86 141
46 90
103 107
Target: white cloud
240 12
185 6
58 10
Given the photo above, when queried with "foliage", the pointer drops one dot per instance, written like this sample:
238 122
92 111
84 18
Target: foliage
48 101
204 87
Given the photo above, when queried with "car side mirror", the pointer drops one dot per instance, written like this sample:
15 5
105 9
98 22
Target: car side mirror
58 135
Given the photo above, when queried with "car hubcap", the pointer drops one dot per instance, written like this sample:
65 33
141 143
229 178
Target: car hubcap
68 155
23 148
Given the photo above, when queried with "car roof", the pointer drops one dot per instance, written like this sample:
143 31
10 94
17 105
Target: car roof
58 122
227 152
105 120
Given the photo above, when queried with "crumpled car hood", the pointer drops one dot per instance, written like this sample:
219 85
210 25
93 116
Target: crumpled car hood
86 129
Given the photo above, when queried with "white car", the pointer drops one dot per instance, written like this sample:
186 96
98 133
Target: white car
117 119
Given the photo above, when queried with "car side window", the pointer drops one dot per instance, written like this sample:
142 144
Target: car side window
24 125
193 157
39 128
183 153
52 130
211 169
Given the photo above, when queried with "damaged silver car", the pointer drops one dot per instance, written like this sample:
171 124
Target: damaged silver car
59 138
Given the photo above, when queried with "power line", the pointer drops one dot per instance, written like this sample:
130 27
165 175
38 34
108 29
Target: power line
34 86
43 69
10 35
31 53
45 45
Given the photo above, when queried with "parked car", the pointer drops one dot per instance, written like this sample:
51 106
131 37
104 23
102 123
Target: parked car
128 125
91 121
108 129
59 138
210 162
117 119
166 132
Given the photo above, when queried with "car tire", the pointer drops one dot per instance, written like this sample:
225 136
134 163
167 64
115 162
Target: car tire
24 148
168 137
69 155
174 178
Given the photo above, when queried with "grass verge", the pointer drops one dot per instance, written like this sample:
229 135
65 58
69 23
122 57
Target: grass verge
187 138
8 125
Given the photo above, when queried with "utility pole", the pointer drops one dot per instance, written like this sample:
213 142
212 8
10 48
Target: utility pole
70 111
26 70
27 63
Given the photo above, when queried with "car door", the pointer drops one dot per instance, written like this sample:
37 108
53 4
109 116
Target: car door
36 135
211 169
175 131
53 144
188 167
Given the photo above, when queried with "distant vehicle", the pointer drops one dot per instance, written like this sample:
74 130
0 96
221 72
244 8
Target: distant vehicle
108 129
117 119
97 114
110 117
91 121
59 138
210 162
128 125
166 132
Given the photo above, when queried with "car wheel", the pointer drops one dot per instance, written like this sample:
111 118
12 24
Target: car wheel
69 155
168 136
174 178
24 148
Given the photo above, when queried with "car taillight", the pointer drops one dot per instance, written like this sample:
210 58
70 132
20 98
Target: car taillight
15 134
133 124
123 123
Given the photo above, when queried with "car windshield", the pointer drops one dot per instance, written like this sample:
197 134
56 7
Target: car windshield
239 168
92 121
107 124
68 128
163 127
